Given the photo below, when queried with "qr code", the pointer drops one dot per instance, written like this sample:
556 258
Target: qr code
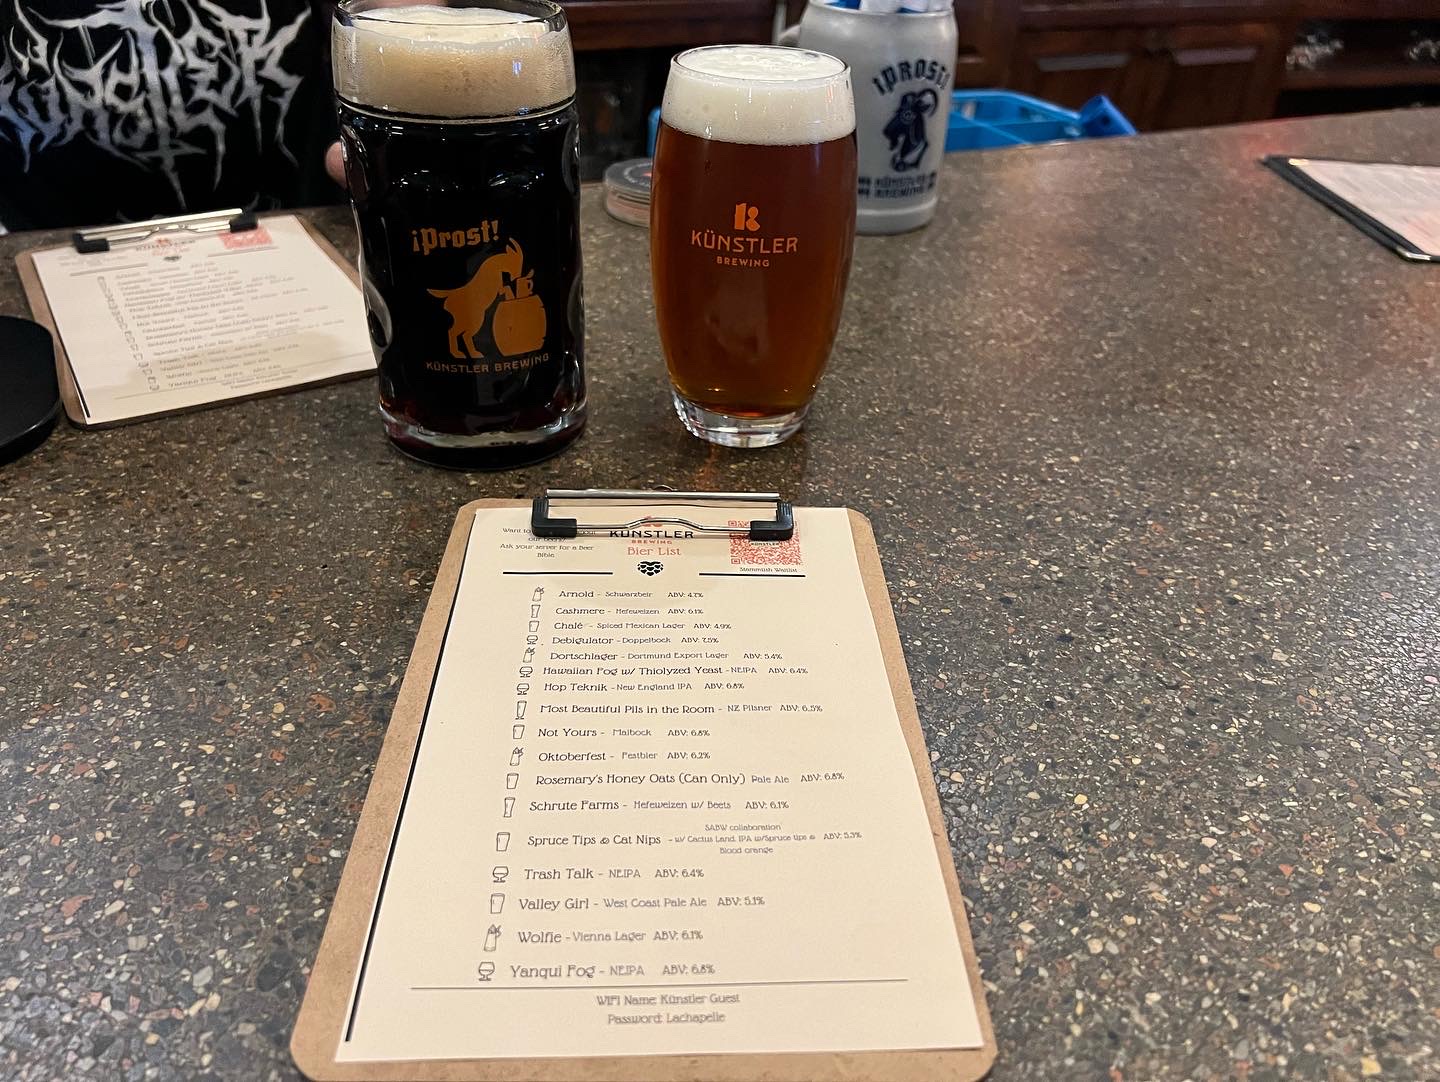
258 237
745 551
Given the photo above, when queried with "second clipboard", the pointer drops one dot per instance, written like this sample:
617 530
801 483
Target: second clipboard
87 411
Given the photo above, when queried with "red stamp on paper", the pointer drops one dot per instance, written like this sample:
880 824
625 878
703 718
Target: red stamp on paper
259 237
745 552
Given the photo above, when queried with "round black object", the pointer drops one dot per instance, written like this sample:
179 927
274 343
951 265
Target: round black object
29 392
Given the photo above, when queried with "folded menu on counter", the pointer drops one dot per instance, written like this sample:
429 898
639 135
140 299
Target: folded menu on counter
1398 205
170 318
668 788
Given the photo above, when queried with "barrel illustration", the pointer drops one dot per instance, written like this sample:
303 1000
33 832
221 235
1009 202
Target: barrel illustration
519 320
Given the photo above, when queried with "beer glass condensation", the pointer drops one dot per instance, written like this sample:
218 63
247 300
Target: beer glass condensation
460 133
751 227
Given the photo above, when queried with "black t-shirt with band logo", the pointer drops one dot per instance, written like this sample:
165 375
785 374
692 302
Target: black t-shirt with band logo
120 110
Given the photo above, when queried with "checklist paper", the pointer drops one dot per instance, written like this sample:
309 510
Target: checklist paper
661 792
184 320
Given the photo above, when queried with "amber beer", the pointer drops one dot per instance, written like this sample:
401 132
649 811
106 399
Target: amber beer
752 224
460 128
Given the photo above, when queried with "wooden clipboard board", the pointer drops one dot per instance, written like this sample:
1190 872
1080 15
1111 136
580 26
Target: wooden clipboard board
323 1012
70 391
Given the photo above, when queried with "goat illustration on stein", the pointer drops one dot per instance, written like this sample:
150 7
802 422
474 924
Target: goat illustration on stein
502 292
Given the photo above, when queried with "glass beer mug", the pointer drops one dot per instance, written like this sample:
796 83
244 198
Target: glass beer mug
752 222
459 128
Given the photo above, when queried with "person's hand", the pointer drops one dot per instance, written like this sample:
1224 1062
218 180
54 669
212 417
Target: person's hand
335 163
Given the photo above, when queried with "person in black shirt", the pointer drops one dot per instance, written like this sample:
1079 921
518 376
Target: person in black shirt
120 110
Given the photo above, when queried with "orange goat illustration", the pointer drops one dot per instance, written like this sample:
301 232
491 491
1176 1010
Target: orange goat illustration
470 304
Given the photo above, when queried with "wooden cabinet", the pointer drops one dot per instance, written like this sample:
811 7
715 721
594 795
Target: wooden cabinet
1165 63
1213 75
985 33
639 24
1160 77
1068 66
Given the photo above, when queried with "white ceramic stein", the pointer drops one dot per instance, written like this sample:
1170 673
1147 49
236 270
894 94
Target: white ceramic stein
902 66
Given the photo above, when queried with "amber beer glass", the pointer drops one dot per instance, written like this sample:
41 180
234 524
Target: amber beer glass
752 222
459 128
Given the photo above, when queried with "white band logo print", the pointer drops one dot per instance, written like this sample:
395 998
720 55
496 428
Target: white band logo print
149 81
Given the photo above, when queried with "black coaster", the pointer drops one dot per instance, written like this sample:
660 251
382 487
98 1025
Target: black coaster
29 392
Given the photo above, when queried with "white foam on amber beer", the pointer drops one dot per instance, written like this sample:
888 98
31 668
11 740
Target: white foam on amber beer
452 62
763 94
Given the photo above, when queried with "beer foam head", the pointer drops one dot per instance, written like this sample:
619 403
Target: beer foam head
425 60
759 94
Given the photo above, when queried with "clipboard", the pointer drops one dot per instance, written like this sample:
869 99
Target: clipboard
323 1014
1283 165
104 239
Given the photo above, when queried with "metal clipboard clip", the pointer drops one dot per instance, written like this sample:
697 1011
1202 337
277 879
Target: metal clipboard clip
103 239
542 524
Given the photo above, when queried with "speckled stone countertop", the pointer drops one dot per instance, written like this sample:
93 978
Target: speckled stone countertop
1151 443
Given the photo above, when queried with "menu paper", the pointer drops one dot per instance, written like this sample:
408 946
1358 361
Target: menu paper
188 319
1403 198
660 802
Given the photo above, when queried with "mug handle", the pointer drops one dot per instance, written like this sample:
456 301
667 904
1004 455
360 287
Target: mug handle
789 36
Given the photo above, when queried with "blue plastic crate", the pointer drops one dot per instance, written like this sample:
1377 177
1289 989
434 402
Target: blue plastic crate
970 136
1003 107
983 119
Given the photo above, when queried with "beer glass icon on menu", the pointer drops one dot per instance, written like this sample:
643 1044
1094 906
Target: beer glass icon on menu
752 222
460 133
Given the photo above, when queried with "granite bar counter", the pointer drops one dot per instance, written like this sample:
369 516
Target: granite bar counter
1151 444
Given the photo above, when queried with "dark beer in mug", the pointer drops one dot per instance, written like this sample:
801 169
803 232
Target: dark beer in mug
752 225
459 129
